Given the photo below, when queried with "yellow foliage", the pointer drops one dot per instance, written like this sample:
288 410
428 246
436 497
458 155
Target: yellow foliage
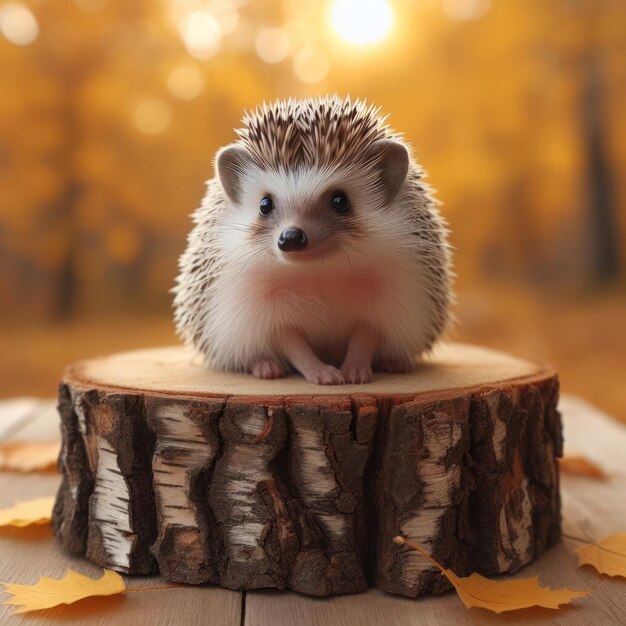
28 456
500 595
51 592
28 513
480 95
608 555
581 466
122 243
508 595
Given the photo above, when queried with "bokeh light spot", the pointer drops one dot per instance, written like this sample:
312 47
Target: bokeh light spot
18 24
310 65
227 18
272 44
463 10
152 116
185 82
201 33
362 21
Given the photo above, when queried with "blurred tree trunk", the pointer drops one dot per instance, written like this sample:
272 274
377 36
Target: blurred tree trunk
73 66
65 294
600 200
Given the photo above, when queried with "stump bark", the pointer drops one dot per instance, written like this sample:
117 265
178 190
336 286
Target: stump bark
212 477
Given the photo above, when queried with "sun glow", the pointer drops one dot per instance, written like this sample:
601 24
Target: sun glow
362 21
18 24
201 33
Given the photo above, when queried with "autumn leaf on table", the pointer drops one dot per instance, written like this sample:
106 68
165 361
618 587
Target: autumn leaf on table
500 595
508 595
608 555
581 466
29 456
28 513
51 592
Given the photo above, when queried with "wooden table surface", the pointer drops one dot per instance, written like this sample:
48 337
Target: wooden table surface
591 509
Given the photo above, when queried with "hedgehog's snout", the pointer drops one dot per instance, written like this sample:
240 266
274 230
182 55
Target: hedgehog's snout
292 240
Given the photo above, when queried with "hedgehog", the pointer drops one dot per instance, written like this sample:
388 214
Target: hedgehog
318 249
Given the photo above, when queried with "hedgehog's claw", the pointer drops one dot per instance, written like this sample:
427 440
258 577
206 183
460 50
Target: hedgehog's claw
267 369
357 375
324 375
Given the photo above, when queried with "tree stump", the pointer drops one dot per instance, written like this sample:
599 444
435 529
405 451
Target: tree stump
208 476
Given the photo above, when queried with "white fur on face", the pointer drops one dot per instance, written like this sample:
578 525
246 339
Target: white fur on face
293 192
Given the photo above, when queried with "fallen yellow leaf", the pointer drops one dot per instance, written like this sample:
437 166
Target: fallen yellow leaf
51 592
27 456
500 595
581 466
29 513
508 595
608 555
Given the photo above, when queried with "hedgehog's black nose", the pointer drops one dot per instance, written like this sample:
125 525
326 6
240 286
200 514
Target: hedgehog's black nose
292 239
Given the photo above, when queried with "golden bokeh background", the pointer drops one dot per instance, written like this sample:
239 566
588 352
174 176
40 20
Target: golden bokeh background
111 112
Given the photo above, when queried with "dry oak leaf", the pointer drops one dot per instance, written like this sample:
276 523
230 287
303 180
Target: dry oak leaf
27 456
608 555
500 595
28 513
51 592
581 466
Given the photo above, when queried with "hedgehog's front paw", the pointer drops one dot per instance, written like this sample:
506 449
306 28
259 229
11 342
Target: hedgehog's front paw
356 374
267 369
394 366
324 375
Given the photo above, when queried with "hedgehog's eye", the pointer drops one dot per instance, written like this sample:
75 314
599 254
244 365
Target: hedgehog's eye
267 206
340 202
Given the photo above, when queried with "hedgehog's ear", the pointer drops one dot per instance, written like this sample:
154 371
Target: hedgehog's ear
391 160
230 163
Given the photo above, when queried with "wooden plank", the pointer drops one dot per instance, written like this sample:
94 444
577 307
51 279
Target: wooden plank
25 555
15 412
41 425
591 508
594 508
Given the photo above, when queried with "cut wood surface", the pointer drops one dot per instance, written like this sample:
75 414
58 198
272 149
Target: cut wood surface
177 370
207 476
591 509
